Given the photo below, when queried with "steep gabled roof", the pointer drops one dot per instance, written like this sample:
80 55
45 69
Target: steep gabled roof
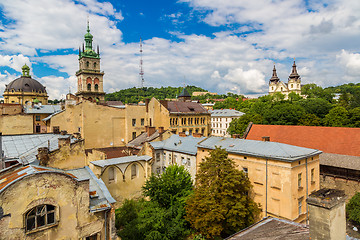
337 140
185 107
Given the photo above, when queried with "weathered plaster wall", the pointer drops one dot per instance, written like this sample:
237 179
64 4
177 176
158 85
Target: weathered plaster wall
71 198
350 187
16 124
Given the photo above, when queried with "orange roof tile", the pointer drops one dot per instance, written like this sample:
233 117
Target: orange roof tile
338 140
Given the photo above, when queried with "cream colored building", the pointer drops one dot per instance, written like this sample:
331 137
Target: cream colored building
282 175
123 176
293 84
59 204
16 124
100 125
178 116
24 90
221 119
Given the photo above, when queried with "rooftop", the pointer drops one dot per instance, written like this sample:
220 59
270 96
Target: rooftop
25 146
179 144
226 113
120 160
270 150
141 139
100 197
42 109
273 229
185 107
338 140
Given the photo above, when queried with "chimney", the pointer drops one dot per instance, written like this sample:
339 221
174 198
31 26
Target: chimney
161 130
236 136
77 135
265 139
63 141
164 103
63 132
150 130
147 104
195 134
182 134
327 214
43 156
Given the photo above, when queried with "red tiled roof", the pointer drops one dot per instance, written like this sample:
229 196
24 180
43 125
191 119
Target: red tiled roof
338 140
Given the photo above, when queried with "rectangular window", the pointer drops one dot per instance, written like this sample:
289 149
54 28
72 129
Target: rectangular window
142 121
299 180
111 174
170 159
133 135
37 118
312 174
133 171
300 206
188 162
158 157
133 122
92 237
158 170
56 129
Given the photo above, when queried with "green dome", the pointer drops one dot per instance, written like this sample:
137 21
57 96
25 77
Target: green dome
36 100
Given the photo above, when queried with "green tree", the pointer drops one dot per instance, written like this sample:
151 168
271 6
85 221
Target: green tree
337 117
353 208
318 106
221 204
163 216
239 125
309 119
355 117
284 113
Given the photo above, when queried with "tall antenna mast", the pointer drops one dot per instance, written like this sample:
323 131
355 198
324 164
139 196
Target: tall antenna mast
141 73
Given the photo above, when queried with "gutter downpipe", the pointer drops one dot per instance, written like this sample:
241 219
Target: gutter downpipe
106 224
266 187
307 189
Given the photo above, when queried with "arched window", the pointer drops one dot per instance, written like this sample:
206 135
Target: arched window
96 87
89 87
133 171
94 65
111 174
292 85
40 216
87 64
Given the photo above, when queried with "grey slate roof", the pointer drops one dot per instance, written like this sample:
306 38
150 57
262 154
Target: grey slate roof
273 229
50 116
45 109
185 107
226 113
179 144
141 139
25 146
100 197
115 161
341 161
270 150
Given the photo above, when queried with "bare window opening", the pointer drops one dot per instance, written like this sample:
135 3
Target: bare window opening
96 87
89 87
142 121
87 64
40 216
133 171
111 174
133 122
94 65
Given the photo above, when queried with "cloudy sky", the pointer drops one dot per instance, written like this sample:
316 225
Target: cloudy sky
220 45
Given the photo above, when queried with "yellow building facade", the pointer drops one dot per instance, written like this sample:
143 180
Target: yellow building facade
179 116
101 126
56 206
24 90
281 182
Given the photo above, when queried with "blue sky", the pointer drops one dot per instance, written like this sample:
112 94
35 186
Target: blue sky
220 45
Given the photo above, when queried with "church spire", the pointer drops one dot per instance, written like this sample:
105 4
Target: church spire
294 73
87 50
274 77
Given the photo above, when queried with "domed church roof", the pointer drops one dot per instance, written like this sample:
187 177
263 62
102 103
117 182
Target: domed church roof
25 83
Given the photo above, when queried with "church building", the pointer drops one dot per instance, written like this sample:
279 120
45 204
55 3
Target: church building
25 89
89 76
293 84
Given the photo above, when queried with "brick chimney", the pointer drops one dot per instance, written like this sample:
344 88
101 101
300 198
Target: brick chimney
197 134
265 139
63 132
182 134
161 130
150 130
43 156
327 214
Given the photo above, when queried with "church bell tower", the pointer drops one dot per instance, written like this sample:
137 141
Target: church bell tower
89 76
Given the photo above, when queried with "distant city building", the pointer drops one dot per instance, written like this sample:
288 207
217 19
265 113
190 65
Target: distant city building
293 84
203 93
89 76
221 119
25 89
208 106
